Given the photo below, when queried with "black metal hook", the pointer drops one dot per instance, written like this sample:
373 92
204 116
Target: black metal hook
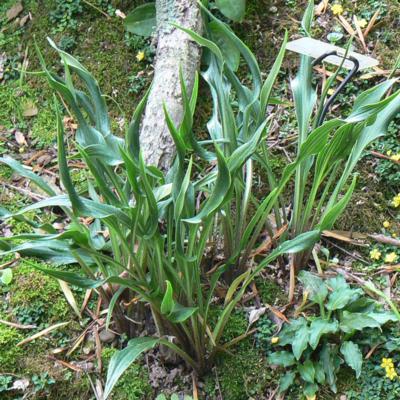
356 66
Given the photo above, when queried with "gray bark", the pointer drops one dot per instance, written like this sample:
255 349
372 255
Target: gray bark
174 49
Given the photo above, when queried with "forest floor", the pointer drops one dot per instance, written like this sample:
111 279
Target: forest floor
65 363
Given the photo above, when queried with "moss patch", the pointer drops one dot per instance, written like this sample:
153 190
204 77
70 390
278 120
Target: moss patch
10 354
35 297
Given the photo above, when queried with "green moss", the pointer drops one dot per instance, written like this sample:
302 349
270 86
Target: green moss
242 375
269 291
44 128
35 297
10 354
133 384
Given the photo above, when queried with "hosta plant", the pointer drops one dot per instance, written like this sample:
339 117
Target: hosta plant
313 347
144 236
147 237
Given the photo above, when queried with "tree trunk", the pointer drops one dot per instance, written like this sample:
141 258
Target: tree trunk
174 49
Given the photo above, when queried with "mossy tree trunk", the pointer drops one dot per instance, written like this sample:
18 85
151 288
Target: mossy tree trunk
174 50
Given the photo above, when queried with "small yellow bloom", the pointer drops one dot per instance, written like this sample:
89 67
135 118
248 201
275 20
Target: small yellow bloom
275 340
337 9
391 373
386 224
391 257
140 56
394 234
396 201
395 157
362 23
375 254
330 92
314 397
389 152
387 362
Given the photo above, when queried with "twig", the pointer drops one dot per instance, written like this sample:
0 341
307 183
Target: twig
18 326
97 9
32 195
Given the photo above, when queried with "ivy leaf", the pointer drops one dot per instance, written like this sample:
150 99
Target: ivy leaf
340 298
352 356
327 359
307 371
357 321
286 381
300 340
282 358
314 285
321 327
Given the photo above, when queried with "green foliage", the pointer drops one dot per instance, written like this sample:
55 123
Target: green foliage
64 15
42 383
315 347
156 228
134 384
10 355
36 298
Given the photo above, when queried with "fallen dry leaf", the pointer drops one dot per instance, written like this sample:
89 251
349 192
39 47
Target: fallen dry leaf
30 110
23 20
14 11
20 138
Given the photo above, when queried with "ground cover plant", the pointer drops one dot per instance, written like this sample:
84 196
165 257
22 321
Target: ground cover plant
167 242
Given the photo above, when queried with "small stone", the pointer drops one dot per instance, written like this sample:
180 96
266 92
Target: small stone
273 9
106 336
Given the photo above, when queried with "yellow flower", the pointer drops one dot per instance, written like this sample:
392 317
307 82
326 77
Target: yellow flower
386 224
394 234
391 373
275 340
337 9
395 157
391 257
387 363
330 92
375 254
396 201
389 152
140 56
313 397
362 23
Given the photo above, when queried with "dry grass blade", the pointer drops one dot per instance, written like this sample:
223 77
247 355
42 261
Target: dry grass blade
343 21
70 297
371 23
67 364
360 33
98 348
321 7
42 333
